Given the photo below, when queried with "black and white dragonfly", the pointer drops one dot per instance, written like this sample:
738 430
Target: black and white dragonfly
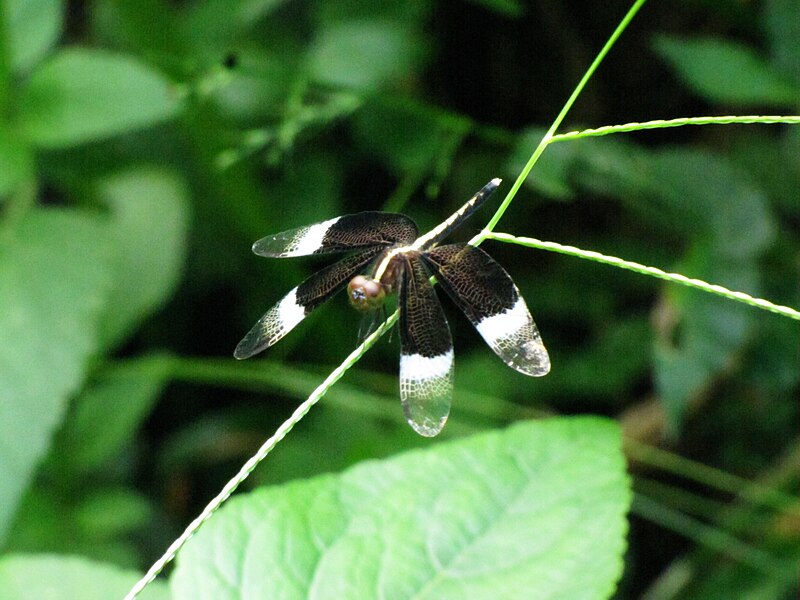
387 256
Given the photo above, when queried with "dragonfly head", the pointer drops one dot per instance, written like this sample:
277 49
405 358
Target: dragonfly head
365 294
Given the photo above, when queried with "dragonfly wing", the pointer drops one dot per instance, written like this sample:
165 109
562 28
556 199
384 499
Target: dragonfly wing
487 295
426 359
301 301
340 234
454 221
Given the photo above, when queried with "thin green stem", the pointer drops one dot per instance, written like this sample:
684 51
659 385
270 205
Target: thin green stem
370 398
259 456
263 376
414 178
557 122
706 535
698 284
663 124
401 195
680 499
750 491
744 516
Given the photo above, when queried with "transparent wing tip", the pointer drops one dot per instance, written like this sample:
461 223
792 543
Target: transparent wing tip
530 358
272 246
249 346
428 427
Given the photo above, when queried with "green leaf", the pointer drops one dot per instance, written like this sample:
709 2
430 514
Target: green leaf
75 516
509 8
53 282
52 577
404 14
409 142
679 377
203 22
34 26
686 191
363 54
702 188
105 416
611 166
16 161
712 332
782 22
769 162
109 513
733 227
83 95
149 221
726 72
534 511
258 89
148 28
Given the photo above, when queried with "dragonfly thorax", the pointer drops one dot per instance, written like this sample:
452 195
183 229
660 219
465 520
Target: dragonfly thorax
368 293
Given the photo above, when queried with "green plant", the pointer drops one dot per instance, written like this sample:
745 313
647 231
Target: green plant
154 151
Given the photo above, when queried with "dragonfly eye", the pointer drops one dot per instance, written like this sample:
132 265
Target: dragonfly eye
365 294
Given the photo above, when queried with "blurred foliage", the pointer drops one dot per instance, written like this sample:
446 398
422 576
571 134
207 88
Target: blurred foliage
145 144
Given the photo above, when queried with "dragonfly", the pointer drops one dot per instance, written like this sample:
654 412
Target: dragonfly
386 256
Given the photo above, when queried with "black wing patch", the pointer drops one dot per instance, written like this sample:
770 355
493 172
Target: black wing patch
491 301
426 358
298 303
340 234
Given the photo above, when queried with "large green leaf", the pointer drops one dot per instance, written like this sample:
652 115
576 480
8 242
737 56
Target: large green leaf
149 211
535 511
54 278
52 577
724 71
81 95
33 27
